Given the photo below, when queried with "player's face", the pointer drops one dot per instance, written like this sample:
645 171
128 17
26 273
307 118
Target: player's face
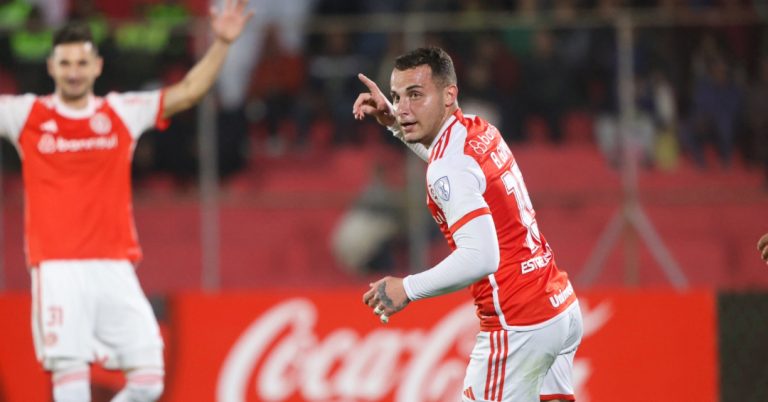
421 105
74 68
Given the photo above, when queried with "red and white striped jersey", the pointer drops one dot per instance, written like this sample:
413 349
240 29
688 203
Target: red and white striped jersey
77 172
472 172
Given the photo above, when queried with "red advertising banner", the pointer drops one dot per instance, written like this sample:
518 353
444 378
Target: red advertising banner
327 346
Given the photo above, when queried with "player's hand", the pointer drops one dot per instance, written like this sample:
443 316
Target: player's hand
228 23
762 246
386 297
373 103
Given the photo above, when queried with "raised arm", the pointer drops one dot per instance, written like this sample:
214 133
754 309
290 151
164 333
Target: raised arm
226 25
375 103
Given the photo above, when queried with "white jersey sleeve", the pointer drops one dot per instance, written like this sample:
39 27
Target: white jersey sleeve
14 111
456 184
476 256
140 111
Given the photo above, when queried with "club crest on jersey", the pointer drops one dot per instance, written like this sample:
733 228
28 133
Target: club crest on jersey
442 188
101 124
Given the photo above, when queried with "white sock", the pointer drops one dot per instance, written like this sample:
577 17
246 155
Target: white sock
142 385
72 384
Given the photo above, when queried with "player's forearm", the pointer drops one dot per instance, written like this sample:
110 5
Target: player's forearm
198 80
419 149
476 256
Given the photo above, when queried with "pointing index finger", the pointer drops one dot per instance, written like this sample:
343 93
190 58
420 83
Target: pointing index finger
368 83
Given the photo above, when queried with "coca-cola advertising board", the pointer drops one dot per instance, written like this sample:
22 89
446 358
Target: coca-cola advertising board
328 346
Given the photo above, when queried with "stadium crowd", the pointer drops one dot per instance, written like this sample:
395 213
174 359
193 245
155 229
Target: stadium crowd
701 91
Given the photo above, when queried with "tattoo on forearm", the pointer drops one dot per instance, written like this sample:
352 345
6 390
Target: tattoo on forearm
385 300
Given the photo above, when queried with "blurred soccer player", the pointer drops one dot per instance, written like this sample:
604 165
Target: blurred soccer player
81 241
530 320
762 246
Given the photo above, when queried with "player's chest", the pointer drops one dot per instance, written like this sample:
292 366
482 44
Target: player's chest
52 138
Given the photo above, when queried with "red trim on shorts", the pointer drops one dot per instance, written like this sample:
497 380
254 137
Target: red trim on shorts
468 217
38 304
71 377
503 366
490 367
553 397
496 335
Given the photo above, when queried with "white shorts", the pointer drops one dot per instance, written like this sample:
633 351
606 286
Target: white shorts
93 310
525 366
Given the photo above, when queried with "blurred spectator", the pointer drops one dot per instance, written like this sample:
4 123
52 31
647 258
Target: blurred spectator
651 136
174 17
53 12
665 119
716 104
276 92
362 240
139 40
545 85
489 81
333 78
288 17
30 46
373 45
85 10
14 14
757 119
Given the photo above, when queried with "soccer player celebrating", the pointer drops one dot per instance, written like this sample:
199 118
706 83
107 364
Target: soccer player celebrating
530 320
81 242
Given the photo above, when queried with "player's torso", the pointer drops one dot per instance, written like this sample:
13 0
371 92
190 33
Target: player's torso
72 147
527 288
76 170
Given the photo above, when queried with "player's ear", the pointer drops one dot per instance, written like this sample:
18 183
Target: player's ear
99 65
450 94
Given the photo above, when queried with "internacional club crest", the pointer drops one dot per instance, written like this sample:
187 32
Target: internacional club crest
443 188
101 124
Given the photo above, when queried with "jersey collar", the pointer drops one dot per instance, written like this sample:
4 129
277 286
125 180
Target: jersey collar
457 115
71 113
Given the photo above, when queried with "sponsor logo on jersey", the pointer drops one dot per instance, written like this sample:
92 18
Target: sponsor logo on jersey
535 263
49 144
561 296
481 143
100 124
49 126
442 188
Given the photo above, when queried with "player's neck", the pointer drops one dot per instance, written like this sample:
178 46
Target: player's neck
76 103
449 111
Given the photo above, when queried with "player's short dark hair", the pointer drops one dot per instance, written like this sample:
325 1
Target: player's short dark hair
436 58
74 32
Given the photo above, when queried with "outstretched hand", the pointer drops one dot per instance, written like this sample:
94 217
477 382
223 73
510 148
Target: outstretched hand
386 296
228 23
762 246
373 103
